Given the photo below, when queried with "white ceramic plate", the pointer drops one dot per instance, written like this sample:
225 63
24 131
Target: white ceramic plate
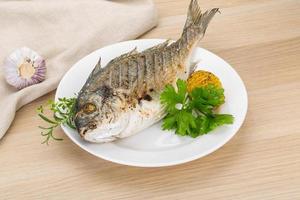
154 147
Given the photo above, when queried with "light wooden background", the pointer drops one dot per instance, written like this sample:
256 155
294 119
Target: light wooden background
261 39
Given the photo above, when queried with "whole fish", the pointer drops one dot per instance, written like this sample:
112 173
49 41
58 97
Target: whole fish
122 98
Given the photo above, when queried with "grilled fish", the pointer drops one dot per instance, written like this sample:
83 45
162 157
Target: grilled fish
122 98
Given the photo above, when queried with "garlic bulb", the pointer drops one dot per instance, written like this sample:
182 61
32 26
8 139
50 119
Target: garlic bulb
24 67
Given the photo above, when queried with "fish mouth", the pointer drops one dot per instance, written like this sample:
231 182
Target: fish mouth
83 126
105 132
101 134
82 131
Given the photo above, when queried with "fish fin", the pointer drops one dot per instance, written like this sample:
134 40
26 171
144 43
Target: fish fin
132 52
159 46
193 66
97 67
195 18
162 45
124 56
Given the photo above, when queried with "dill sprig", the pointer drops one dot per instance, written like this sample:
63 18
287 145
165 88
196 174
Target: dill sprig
63 112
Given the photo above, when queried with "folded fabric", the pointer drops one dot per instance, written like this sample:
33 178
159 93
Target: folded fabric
63 32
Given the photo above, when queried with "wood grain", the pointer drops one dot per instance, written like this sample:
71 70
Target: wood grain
261 39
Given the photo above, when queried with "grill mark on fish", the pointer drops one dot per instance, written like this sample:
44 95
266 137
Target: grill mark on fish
120 70
186 37
122 75
115 76
159 64
133 73
152 78
145 67
164 61
156 77
153 71
172 53
127 75
168 58
137 75
110 77
141 73
124 69
145 72
148 68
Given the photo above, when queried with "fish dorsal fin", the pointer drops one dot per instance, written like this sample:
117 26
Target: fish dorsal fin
97 67
159 46
124 56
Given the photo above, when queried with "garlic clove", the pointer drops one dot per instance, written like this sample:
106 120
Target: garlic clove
24 67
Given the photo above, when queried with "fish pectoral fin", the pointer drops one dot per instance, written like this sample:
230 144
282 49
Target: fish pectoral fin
193 66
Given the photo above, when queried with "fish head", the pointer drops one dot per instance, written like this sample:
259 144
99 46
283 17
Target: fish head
100 115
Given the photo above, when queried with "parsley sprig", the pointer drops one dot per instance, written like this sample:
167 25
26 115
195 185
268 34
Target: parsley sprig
193 114
63 113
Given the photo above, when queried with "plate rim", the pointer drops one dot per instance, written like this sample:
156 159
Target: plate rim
161 164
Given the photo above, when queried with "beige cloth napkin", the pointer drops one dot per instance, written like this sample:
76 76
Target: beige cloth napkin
63 31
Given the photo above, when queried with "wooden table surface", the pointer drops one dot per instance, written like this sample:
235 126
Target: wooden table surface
261 39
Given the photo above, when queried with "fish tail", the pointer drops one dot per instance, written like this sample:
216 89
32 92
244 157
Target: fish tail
196 23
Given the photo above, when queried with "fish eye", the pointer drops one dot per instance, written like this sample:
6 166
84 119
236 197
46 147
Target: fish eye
89 108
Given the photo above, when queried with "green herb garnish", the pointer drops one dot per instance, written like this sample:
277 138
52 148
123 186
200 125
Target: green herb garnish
63 113
193 114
